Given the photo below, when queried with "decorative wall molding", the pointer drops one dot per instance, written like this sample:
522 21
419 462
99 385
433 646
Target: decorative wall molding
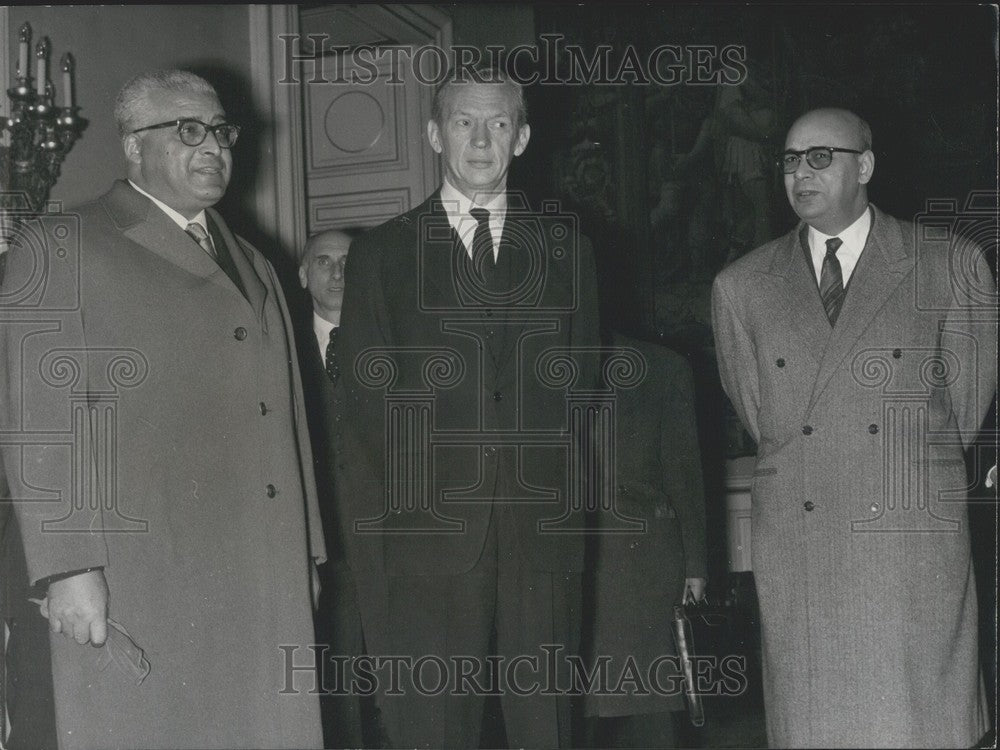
280 191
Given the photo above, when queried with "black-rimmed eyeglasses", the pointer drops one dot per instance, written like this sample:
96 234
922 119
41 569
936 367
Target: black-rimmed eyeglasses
817 157
193 132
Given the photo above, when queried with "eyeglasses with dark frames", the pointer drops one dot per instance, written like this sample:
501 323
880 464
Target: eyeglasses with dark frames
193 132
817 157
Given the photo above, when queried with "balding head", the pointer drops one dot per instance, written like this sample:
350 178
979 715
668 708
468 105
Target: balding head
832 198
321 271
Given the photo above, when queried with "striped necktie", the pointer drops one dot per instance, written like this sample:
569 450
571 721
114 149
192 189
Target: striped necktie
831 281
199 235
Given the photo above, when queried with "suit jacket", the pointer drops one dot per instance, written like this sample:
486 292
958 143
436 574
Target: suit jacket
323 407
639 576
860 541
164 439
474 383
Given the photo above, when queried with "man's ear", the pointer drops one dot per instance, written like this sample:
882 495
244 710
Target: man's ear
434 136
523 136
866 167
303 279
132 144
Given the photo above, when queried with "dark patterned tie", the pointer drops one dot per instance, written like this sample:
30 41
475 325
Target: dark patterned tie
332 370
199 235
482 244
831 281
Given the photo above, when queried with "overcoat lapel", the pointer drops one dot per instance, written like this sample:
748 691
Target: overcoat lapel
883 264
143 223
800 307
256 292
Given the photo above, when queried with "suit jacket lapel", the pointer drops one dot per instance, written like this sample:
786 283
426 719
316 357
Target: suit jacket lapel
515 264
439 251
883 264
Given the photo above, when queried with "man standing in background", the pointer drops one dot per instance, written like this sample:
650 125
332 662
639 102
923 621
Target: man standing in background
338 621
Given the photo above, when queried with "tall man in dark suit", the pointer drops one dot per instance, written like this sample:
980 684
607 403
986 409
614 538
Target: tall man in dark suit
162 477
860 353
457 318
338 623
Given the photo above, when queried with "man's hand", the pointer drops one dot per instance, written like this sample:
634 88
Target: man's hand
694 589
78 607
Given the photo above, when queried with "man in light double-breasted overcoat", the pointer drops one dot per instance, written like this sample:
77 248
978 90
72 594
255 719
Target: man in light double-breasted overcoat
860 353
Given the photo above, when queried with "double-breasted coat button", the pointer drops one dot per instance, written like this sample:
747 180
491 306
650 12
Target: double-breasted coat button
780 362
873 429
271 490
240 333
897 353
263 408
497 396
807 430
874 508
808 505
489 450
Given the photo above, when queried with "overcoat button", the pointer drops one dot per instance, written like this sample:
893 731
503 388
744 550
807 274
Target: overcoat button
873 429
897 353
875 507
808 505
263 408
489 450
497 396
271 490
807 430
780 362
240 333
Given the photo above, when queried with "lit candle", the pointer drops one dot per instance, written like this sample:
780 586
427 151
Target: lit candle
42 55
22 50
67 70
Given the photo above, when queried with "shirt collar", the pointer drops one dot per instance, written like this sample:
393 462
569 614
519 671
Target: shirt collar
322 328
178 218
854 237
457 207
456 202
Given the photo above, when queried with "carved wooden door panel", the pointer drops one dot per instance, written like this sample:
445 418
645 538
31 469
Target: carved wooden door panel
367 156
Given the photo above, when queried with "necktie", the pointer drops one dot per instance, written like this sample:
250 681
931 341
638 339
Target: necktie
199 235
831 281
482 242
332 370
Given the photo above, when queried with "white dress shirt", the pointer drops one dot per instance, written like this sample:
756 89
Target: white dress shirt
322 328
457 206
178 219
854 239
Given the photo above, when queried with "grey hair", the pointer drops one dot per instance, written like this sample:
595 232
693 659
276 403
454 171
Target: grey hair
132 106
491 76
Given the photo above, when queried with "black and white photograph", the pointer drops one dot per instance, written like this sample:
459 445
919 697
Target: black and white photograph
499 375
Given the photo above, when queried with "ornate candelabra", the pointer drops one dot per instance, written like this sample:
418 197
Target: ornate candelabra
37 135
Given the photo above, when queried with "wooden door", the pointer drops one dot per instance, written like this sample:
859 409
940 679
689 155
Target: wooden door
367 158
